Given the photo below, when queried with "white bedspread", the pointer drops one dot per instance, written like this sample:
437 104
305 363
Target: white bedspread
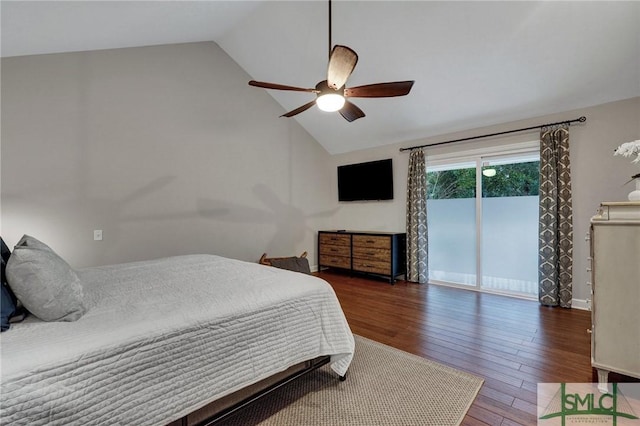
163 338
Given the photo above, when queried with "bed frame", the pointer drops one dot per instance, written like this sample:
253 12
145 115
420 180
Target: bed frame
222 408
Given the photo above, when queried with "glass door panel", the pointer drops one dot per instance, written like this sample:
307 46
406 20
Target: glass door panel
509 244
451 218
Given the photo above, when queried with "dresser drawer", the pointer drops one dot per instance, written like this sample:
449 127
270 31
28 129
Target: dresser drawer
372 241
334 250
373 266
336 261
372 253
335 239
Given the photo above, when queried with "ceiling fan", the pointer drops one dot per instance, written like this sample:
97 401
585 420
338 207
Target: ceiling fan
331 93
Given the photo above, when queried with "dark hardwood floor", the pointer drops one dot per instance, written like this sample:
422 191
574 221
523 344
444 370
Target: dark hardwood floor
512 343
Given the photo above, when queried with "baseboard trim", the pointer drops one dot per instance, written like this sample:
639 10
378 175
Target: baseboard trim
581 304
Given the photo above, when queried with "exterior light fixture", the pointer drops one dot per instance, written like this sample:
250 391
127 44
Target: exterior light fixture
489 172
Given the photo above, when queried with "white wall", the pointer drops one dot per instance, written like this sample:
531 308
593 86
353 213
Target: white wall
169 151
597 175
166 149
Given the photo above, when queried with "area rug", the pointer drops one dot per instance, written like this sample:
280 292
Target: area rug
384 386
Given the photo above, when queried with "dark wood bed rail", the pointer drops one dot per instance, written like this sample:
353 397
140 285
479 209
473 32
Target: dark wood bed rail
216 411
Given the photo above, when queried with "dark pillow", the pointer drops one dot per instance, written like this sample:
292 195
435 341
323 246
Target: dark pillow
10 309
297 264
7 308
4 250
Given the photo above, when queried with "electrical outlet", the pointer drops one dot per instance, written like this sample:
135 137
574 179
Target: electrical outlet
97 234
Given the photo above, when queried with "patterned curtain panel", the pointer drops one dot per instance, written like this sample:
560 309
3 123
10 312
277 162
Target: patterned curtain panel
555 263
417 241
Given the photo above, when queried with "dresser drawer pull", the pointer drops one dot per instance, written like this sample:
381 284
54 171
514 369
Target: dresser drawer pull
371 241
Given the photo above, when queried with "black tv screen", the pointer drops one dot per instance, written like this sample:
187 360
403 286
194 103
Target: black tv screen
366 181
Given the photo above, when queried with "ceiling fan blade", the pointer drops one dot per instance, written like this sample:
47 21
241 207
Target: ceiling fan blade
380 90
350 112
341 64
299 109
279 86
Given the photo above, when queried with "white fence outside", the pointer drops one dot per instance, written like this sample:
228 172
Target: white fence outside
509 250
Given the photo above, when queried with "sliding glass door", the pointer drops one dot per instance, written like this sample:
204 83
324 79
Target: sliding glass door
509 249
489 242
451 219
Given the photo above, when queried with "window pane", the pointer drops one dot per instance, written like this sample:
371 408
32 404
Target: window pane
451 217
510 180
452 183
510 227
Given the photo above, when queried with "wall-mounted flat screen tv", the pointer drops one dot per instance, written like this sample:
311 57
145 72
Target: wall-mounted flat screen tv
366 181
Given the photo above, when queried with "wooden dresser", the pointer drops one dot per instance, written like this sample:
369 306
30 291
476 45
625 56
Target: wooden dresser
615 305
377 253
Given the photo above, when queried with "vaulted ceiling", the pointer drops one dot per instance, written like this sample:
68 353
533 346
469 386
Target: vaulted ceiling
475 63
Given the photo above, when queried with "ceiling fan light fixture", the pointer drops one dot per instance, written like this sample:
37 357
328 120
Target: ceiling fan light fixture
331 93
330 102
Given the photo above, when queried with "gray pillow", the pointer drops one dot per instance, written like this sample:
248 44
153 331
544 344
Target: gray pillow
45 284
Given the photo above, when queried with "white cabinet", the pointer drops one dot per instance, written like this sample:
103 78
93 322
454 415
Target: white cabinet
615 269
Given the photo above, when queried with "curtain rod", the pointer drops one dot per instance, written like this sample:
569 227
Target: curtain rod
581 120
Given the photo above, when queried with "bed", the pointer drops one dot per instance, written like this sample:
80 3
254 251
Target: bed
170 341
